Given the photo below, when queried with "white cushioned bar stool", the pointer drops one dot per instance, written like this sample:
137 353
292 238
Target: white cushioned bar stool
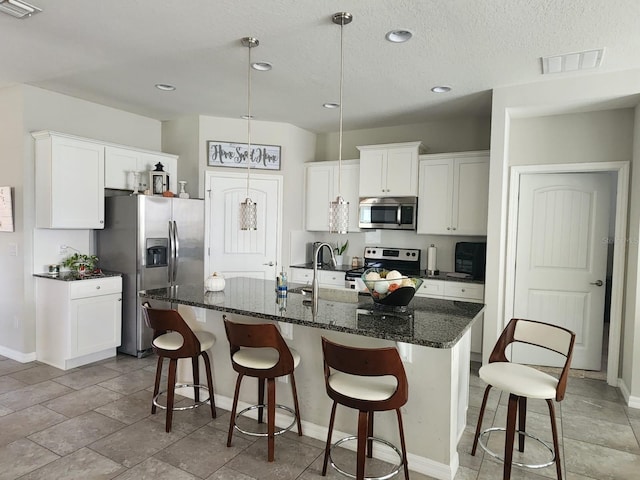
368 380
258 350
174 339
523 382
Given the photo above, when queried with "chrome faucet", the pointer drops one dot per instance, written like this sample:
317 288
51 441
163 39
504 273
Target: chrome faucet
314 283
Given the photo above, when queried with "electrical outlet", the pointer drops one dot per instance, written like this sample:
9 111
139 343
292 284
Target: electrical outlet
62 249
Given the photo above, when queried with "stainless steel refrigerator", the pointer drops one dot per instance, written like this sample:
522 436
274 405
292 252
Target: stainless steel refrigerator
155 242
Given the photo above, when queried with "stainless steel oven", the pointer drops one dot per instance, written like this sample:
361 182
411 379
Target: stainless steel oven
395 213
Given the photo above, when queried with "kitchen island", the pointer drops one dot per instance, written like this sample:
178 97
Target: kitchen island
432 335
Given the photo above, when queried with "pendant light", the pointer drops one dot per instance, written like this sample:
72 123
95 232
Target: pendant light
339 208
248 208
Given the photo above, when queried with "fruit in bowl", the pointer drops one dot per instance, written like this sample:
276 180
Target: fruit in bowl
390 287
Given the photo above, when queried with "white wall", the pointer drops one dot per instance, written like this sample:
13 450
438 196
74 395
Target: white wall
297 147
180 137
25 109
451 135
590 93
599 136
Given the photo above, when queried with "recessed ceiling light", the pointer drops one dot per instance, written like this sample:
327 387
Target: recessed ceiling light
262 66
441 89
398 36
331 105
18 8
165 87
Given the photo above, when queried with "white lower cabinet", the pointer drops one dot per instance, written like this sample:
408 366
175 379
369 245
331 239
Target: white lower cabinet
78 322
464 291
326 278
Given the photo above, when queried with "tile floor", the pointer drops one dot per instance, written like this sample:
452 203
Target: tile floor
94 422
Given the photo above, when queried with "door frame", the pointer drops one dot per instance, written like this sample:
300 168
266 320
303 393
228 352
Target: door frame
619 252
240 176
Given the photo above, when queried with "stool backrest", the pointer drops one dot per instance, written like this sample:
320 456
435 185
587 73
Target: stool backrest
163 321
544 335
260 335
368 362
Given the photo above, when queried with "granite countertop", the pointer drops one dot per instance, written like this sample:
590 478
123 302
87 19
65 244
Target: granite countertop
68 276
429 322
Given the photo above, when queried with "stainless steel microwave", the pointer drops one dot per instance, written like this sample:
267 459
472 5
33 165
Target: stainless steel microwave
394 213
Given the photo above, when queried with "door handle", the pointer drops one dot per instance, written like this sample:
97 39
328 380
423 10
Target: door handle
597 283
271 264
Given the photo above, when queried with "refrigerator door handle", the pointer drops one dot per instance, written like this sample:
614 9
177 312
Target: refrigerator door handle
176 251
172 249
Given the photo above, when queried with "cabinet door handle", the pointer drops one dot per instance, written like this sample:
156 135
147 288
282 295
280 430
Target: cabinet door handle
101 221
271 264
97 287
448 228
120 299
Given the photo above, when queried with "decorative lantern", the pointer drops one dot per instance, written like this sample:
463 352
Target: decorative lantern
158 180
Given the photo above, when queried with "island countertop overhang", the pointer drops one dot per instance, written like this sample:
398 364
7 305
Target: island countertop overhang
428 322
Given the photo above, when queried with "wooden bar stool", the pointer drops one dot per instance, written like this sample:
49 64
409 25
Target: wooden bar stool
522 382
369 380
258 350
173 339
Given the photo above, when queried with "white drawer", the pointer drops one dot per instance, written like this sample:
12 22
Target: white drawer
301 275
466 291
335 279
95 287
430 288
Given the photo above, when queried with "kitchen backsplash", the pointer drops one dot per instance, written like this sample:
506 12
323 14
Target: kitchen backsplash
384 238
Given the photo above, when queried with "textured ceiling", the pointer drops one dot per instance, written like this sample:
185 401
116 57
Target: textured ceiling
114 52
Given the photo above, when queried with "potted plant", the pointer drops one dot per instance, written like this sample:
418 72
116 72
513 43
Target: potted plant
80 263
339 251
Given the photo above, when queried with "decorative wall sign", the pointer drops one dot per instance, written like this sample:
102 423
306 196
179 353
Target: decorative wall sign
226 154
6 210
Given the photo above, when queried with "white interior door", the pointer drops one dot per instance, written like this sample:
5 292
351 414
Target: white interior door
235 252
561 254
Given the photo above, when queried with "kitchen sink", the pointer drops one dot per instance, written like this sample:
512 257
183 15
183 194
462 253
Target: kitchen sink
331 294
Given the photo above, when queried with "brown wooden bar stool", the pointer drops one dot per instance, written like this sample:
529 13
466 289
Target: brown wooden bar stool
522 382
368 380
258 350
173 339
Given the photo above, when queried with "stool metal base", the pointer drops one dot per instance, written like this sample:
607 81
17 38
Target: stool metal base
395 470
258 434
188 407
501 458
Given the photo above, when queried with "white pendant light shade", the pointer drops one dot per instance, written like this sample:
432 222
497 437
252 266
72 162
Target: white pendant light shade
248 208
339 209
339 216
248 215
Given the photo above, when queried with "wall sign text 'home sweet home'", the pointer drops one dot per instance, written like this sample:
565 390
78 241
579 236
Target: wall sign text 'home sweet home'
226 154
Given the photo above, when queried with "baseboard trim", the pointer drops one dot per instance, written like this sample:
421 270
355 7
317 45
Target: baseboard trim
417 463
17 356
631 401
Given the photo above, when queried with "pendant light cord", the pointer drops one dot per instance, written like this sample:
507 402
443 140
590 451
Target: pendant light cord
249 119
341 88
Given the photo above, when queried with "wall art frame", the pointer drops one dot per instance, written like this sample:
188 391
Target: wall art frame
233 154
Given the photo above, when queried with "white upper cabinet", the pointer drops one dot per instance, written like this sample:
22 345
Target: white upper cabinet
453 193
69 182
121 163
389 170
321 188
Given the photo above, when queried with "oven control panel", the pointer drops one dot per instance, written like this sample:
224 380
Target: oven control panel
382 253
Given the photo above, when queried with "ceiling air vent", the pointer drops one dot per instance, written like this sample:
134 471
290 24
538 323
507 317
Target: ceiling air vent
18 8
571 62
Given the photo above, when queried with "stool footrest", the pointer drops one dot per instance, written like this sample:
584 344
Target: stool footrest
259 434
188 407
395 470
519 464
